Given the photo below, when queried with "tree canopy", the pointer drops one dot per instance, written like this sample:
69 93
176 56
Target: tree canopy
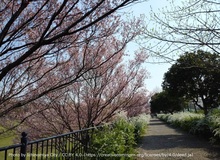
38 38
64 59
196 75
165 102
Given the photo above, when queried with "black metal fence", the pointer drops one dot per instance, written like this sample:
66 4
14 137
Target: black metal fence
70 146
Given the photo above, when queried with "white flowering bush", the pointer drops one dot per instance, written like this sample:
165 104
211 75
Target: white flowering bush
120 115
163 117
198 124
143 118
184 120
140 123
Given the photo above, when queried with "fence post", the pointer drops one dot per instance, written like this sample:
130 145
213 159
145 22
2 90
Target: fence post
23 146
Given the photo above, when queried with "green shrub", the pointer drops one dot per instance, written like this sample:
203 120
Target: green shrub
202 128
118 139
216 131
200 111
140 124
188 123
114 141
214 124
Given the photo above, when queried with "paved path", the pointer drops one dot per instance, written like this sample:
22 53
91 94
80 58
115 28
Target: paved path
162 142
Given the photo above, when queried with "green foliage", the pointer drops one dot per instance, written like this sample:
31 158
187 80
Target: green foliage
119 139
213 122
165 102
195 75
209 126
202 128
216 131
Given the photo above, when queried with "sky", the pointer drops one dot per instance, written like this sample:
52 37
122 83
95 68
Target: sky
156 71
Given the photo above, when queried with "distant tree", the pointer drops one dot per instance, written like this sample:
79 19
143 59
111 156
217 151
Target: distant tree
164 102
196 75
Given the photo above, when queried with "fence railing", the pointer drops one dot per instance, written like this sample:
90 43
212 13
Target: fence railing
70 146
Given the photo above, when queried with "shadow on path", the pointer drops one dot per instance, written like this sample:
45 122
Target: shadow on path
161 137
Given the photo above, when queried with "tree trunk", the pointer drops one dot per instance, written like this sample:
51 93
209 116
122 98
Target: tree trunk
205 109
195 108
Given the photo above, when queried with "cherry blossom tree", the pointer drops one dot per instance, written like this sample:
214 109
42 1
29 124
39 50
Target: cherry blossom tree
39 39
94 99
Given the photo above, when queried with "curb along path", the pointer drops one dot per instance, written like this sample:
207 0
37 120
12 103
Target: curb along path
164 142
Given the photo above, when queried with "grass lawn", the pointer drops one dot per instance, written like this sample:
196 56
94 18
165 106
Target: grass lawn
6 139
